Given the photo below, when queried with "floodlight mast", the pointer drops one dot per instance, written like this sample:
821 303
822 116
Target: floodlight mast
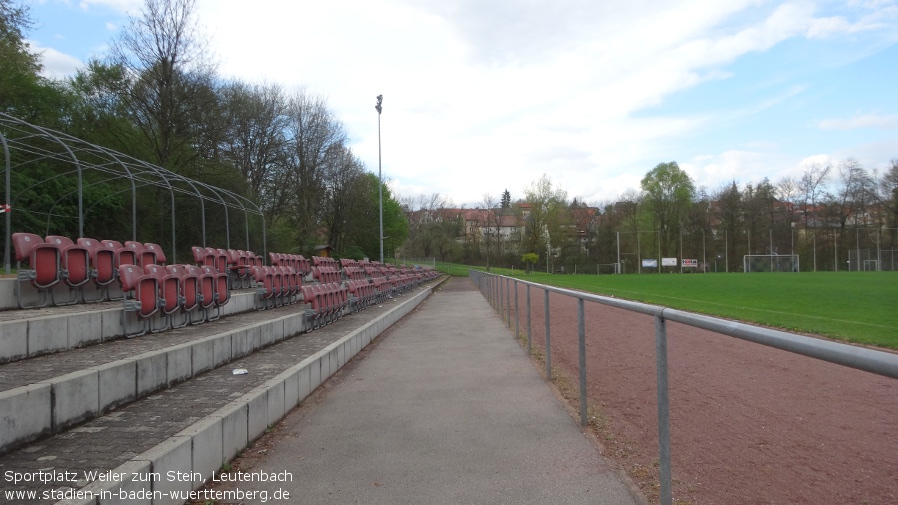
380 180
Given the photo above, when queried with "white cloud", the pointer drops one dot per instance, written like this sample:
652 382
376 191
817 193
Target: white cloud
872 120
56 64
123 6
484 96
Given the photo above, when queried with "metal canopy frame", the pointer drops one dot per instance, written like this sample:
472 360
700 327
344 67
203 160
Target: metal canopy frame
35 144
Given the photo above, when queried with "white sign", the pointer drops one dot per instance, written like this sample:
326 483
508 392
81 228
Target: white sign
652 263
668 262
690 263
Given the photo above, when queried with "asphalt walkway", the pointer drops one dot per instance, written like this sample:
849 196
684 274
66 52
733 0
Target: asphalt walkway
445 409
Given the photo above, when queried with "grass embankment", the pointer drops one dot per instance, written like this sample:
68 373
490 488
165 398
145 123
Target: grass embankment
858 307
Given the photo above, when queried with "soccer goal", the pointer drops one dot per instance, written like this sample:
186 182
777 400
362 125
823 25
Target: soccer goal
608 268
871 265
770 262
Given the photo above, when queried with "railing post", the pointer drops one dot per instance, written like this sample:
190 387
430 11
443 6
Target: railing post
492 291
501 292
508 300
663 409
581 333
529 341
548 339
517 312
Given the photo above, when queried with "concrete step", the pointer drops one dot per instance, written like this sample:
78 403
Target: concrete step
48 393
196 425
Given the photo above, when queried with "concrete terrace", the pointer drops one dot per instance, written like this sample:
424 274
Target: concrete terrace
447 409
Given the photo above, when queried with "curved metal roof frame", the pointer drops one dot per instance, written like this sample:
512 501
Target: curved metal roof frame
115 164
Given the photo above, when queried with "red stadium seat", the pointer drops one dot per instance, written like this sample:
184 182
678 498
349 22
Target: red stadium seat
169 295
75 265
44 272
141 297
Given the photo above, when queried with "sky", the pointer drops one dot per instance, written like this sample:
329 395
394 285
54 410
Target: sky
481 96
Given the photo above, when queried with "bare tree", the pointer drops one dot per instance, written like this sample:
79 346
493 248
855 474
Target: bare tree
888 198
256 143
170 94
813 186
313 132
854 191
888 193
344 193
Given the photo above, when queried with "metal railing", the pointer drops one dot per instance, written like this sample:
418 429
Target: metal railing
497 290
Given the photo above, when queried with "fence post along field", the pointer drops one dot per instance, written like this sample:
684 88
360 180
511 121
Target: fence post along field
877 362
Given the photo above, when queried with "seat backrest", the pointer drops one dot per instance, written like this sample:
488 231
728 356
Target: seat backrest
75 259
129 276
169 285
242 258
233 258
157 250
42 257
142 287
199 255
144 255
24 244
189 284
219 284
131 244
91 244
59 240
222 260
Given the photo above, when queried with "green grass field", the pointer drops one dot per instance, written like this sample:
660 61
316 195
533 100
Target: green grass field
859 307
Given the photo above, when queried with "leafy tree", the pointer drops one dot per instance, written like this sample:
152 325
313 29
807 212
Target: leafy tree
668 195
529 259
730 215
759 214
548 215
367 226
24 93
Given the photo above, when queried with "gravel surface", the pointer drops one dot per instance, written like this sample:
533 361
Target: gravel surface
749 424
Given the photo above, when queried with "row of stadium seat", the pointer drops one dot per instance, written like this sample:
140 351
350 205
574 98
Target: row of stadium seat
234 262
326 302
163 296
275 286
175 295
59 260
296 261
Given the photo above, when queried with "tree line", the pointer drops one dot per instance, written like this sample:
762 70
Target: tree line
157 96
835 216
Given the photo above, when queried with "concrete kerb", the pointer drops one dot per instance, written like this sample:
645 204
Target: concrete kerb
30 337
27 414
245 419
